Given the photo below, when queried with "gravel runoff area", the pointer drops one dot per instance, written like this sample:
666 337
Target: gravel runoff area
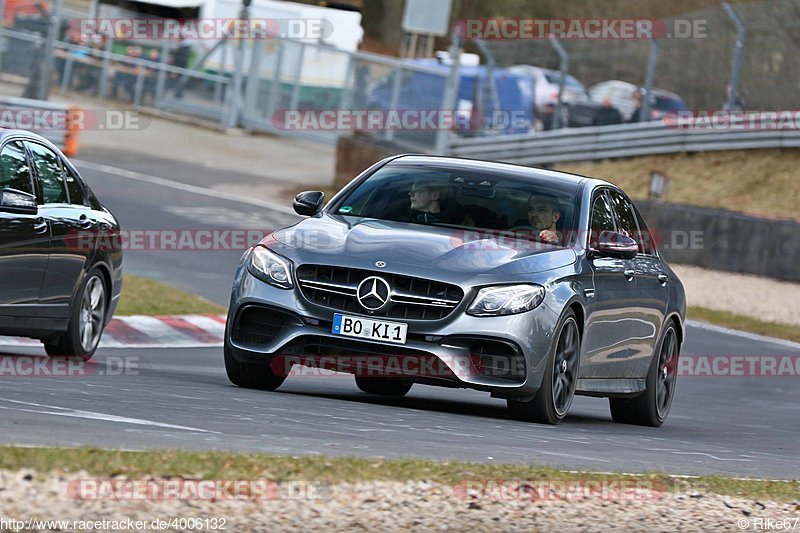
388 506
758 297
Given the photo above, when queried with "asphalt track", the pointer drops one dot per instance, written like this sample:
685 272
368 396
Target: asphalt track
181 398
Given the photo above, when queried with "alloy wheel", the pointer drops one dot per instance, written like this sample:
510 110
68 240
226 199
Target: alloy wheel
92 313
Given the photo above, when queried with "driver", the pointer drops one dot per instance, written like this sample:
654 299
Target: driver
426 198
543 213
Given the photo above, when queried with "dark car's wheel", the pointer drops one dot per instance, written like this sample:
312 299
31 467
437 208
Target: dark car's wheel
553 400
652 406
250 375
86 323
384 386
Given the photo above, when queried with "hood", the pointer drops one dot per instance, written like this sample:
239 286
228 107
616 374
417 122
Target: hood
360 242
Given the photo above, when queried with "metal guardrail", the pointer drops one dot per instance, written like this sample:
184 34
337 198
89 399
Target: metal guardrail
65 138
620 140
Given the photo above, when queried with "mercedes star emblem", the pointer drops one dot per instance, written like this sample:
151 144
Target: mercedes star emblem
380 264
373 293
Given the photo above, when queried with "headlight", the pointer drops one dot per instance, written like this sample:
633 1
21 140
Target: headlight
506 300
270 267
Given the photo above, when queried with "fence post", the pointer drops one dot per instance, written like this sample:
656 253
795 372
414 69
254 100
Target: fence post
394 101
101 89
736 63
563 67
450 96
644 112
66 78
219 85
52 36
253 79
275 86
346 99
294 103
139 87
161 80
490 87
236 89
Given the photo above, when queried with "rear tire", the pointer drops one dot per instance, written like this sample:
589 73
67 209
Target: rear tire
554 398
384 386
652 406
86 323
251 375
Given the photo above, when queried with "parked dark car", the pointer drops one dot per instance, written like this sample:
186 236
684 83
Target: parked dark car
529 284
60 272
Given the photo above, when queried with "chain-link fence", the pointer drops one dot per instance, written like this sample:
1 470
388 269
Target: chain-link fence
127 71
697 66
310 89
320 92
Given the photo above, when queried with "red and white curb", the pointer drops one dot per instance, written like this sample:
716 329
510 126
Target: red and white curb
138 331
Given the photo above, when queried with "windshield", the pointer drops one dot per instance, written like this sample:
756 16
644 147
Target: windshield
465 199
569 81
664 103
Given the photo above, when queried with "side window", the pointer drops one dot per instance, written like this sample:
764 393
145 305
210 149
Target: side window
14 170
626 219
50 174
602 220
623 210
647 244
73 186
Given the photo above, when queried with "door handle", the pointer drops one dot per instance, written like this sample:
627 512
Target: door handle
40 226
663 279
85 222
630 274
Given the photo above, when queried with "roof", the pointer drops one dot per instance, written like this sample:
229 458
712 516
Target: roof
473 165
479 70
177 4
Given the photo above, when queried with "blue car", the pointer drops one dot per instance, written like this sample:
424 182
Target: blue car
504 107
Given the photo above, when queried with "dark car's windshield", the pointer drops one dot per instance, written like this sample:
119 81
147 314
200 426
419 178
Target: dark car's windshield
465 199
665 103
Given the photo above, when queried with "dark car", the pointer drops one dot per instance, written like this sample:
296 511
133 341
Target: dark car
614 102
60 272
529 284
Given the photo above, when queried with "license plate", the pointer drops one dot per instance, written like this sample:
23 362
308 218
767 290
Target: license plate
367 328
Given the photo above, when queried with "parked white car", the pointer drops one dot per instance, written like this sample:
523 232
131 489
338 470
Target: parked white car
621 95
545 91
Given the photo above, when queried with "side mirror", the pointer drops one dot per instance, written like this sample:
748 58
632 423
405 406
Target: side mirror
617 245
308 203
17 201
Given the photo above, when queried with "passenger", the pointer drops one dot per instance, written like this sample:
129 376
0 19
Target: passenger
543 214
427 196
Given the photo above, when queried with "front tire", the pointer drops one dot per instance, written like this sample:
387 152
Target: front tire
554 398
396 388
250 375
652 406
86 323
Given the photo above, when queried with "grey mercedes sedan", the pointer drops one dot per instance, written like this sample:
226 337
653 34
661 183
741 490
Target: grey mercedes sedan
529 284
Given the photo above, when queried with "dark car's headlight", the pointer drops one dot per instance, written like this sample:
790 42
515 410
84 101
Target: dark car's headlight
506 300
270 267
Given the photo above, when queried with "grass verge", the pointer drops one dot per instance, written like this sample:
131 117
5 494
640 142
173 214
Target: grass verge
758 182
143 296
744 323
332 470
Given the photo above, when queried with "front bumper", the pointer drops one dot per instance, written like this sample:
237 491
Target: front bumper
502 355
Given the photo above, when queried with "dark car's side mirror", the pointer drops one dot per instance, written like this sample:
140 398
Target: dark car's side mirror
17 201
308 203
616 245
